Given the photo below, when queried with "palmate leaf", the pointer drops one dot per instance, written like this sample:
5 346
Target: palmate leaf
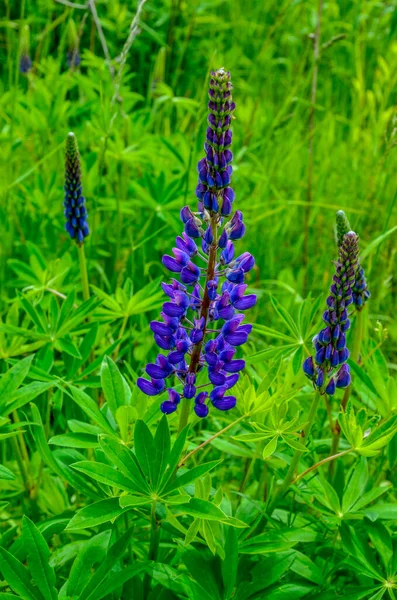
122 458
300 328
105 474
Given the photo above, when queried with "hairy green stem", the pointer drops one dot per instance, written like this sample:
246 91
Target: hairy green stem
355 355
283 487
83 272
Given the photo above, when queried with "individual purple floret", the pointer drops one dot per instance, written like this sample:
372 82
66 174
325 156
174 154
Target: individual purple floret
73 58
201 327
74 203
25 63
328 369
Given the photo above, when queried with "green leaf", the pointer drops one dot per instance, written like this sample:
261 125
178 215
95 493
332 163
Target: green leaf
190 476
25 394
96 514
65 344
91 409
6 474
144 449
162 444
13 378
122 458
381 539
203 509
104 474
113 555
75 440
230 563
376 242
38 556
174 458
93 552
115 387
356 485
17 576
131 501
302 565
270 447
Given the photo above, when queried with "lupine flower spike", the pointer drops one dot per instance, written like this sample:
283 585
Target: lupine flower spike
360 289
74 203
202 325
75 210
328 369
72 56
25 62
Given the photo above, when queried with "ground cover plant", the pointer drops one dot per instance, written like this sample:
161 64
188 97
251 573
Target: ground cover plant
198 384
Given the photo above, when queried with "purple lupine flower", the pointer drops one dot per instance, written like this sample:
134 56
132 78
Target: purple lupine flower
74 203
73 58
201 325
328 369
360 289
25 63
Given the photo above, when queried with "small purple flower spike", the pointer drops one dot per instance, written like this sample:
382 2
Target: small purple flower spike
327 369
201 325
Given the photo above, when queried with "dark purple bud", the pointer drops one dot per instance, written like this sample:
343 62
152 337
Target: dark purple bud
187 245
343 377
186 214
228 253
308 367
168 407
201 410
190 274
235 275
160 328
212 287
223 239
341 343
231 381
156 372
152 387
246 302
209 236
191 229
343 355
226 403
216 378
171 264
330 389
165 342
234 366
320 356
320 378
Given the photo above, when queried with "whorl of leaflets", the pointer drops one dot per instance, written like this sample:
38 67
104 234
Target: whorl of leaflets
361 293
201 325
74 203
328 369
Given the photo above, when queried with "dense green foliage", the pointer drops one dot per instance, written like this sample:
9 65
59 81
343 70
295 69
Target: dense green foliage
100 497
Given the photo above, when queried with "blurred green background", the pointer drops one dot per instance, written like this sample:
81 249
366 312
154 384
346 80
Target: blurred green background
140 151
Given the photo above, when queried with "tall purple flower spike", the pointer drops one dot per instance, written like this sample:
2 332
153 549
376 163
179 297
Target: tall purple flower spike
328 369
201 326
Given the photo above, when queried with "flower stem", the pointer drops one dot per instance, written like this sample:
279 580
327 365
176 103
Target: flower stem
356 351
319 464
83 272
194 360
280 491
184 417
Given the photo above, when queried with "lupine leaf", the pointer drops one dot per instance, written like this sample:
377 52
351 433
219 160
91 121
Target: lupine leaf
38 556
17 576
